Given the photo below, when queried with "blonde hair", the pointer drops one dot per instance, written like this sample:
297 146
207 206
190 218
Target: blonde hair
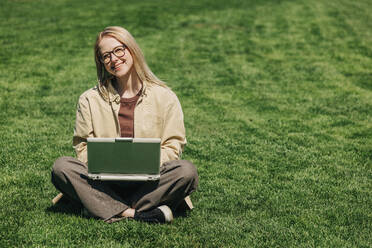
140 65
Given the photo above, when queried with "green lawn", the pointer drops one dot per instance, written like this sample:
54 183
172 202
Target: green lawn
277 98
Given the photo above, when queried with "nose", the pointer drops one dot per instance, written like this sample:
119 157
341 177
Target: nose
113 57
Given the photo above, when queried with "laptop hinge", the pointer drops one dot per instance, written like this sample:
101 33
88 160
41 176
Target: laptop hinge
123 139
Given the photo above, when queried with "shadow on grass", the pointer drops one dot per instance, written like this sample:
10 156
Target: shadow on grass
65 206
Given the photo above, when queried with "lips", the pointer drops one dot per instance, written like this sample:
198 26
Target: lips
116 67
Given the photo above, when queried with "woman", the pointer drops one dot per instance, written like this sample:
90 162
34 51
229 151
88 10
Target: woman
129 101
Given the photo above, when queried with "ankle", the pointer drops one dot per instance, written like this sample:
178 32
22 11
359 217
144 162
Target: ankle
128 213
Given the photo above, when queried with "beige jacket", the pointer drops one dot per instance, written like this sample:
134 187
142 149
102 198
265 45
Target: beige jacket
158 114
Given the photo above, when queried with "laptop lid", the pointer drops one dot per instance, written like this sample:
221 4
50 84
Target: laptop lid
132 159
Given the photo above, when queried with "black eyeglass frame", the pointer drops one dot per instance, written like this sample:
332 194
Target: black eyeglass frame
113 52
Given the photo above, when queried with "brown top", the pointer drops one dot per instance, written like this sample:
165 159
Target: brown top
126 115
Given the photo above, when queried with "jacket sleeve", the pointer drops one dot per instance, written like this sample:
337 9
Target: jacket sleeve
173 140
83 129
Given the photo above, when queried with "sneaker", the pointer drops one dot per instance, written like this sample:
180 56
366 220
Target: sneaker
160 214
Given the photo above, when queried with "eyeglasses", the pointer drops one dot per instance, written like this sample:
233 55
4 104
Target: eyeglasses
118 51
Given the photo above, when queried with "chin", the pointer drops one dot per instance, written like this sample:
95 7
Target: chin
121 73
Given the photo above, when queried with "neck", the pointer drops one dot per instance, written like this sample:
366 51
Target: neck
129 85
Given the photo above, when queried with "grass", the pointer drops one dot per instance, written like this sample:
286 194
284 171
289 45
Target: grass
277 103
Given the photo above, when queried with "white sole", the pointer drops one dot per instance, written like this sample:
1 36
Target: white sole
167 213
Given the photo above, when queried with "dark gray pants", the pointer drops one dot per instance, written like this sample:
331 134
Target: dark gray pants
106 200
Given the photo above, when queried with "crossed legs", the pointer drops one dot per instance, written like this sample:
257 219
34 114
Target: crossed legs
107 200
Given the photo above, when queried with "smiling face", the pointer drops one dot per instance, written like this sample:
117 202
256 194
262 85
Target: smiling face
117 66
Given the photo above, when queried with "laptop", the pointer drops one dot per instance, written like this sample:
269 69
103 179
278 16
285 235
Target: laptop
124 159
